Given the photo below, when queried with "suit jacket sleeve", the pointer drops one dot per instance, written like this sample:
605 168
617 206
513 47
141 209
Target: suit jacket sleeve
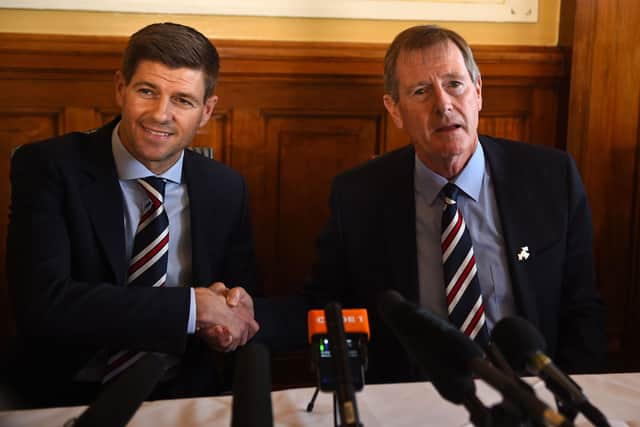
581 341
60 285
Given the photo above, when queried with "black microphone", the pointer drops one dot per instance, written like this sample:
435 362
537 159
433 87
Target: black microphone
122 397
453 380
347 406
440 354
450 358
524 347
252 388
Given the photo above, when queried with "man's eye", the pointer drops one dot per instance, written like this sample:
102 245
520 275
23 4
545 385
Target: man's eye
185 102
419 91
145 91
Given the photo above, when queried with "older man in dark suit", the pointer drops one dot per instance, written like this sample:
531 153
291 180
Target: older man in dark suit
471 227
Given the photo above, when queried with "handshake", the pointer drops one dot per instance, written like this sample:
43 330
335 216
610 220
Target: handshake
224 317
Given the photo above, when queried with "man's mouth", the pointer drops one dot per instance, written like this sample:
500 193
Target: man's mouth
448 128
157 132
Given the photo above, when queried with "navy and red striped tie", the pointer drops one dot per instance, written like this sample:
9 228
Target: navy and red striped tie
148 264
464 298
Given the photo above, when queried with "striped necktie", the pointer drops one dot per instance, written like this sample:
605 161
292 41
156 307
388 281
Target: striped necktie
148 264
464 299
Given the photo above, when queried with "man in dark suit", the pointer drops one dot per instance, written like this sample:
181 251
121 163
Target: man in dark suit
78 206
524 207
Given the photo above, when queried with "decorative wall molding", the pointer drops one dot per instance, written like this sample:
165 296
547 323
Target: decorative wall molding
55 53
439 10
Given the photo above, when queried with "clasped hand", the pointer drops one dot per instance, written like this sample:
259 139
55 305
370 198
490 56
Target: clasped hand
224 318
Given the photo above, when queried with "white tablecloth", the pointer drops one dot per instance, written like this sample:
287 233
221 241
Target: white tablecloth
411 404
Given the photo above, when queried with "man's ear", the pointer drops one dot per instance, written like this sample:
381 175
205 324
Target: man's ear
394 111
479 92
209 106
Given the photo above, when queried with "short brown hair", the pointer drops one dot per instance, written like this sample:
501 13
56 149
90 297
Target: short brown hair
419 37
175 46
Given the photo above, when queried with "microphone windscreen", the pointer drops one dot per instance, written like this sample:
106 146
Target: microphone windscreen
441 350
252 388
122 397
518 340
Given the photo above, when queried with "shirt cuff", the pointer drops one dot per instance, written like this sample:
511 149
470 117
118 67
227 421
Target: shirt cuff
191 326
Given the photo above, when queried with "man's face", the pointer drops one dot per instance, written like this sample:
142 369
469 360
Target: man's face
438 106
162 108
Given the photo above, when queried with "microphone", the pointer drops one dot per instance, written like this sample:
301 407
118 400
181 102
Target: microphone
523 346
252 388
452 380
437 352
357 333
347 406
450 358
122 397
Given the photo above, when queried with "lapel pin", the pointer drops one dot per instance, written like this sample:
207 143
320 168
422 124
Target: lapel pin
523 255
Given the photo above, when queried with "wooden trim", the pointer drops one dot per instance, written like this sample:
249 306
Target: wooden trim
51 53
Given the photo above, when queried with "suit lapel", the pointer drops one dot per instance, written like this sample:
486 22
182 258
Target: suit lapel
201 205
103 199
517 221
400 226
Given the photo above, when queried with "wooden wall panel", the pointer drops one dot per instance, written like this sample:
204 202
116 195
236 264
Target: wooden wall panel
604 138
305 152
505 125
290 116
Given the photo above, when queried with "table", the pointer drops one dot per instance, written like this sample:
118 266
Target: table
408 404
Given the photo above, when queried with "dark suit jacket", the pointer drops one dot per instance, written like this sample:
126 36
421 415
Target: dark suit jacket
369 245
66 261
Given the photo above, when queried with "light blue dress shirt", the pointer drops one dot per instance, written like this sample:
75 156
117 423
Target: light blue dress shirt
478 205
176 200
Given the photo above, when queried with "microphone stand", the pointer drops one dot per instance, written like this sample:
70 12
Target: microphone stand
502 414
529 405
335 406
505 415
312 402
478 413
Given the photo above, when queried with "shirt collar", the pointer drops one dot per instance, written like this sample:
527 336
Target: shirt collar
469 180
129 168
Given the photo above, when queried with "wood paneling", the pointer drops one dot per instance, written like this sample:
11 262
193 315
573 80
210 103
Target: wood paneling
305 151
505 124
603 136
290 117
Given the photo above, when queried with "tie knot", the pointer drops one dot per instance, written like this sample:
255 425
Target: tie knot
450 193
154 186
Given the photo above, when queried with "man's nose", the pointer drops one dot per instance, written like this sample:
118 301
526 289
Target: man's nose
162 109
443 100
